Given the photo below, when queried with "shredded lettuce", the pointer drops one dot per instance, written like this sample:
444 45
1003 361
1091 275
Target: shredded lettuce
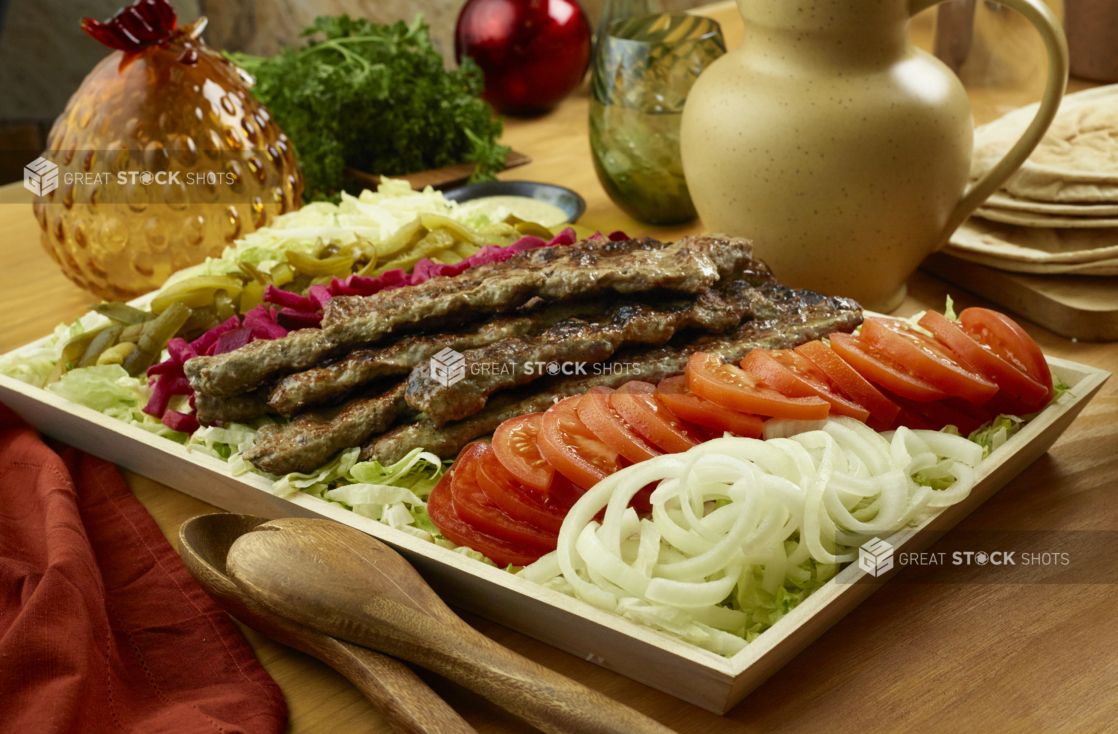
949 309
995 433
109 390
370 217
763 609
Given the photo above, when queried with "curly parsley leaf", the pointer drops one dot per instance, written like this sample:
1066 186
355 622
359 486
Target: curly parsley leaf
375 98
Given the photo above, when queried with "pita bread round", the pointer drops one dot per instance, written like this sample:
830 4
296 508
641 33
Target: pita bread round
1003 200
1011 243
1031 219
1076 161
1102 267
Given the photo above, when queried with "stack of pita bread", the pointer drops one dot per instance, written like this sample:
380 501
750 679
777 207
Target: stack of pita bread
1059 212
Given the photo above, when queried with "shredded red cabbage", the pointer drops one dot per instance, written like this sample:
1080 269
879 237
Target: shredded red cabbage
176 421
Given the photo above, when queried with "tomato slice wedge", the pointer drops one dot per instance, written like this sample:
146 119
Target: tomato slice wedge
638 403
927 357
1004 337
883 370
606 423
882 409
572 448
478 510
440 508
731 387
794 374
675 395
1009 374
962 414
564 492
514 443
516 500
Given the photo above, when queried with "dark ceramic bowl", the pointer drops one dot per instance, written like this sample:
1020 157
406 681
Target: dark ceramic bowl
567 200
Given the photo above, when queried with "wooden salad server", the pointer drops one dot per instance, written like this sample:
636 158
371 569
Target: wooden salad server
347 584
405 700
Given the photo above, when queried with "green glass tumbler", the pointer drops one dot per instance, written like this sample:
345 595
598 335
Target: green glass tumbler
643 70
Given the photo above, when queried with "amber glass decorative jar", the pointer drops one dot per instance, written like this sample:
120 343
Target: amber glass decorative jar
163 156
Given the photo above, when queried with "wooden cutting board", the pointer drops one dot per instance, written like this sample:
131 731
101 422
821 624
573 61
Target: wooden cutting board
1074 306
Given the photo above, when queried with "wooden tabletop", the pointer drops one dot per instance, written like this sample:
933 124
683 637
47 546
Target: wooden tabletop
984 657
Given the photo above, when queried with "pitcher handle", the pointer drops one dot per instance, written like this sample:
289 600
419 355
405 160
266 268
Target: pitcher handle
1056 46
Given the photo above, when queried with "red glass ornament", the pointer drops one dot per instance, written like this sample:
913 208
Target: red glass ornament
136 27
533 52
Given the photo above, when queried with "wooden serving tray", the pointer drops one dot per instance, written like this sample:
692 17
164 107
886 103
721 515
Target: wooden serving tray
695 675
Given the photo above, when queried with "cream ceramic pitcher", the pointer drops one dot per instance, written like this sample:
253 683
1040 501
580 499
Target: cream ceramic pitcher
838 147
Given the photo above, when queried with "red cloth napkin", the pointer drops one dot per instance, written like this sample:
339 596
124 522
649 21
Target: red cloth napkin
102 628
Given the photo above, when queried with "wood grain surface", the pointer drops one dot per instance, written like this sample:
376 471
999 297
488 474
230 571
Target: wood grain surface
409 704
917 657
305 570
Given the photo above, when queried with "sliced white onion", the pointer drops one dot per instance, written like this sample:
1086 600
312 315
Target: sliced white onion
734 511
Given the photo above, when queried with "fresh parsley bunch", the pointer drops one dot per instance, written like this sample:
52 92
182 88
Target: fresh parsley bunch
375 98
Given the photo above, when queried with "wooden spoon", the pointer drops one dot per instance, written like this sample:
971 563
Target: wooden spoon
405 700
345 583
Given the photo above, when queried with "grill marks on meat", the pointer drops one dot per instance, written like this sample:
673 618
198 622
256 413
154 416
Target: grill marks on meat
237 409
554 273
309 441
506 364
296 392
232 373
557 273
328 384
789 319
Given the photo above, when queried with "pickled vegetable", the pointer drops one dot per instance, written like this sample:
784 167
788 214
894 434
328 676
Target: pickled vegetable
254 273
224 306
282 274
122 312
435 242
460 231
252 296
337 266
116 354
74 349
105 338
196 292
402 239
155 336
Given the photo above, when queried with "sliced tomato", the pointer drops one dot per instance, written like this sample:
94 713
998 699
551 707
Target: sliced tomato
883 370
690 407
572 448
1008 374
882 409
517 501
514 442
1005 404
564 492
908 419
606 423
927 357
1004 337
962 414
794 374
475 507
638 403
440 508
731 387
